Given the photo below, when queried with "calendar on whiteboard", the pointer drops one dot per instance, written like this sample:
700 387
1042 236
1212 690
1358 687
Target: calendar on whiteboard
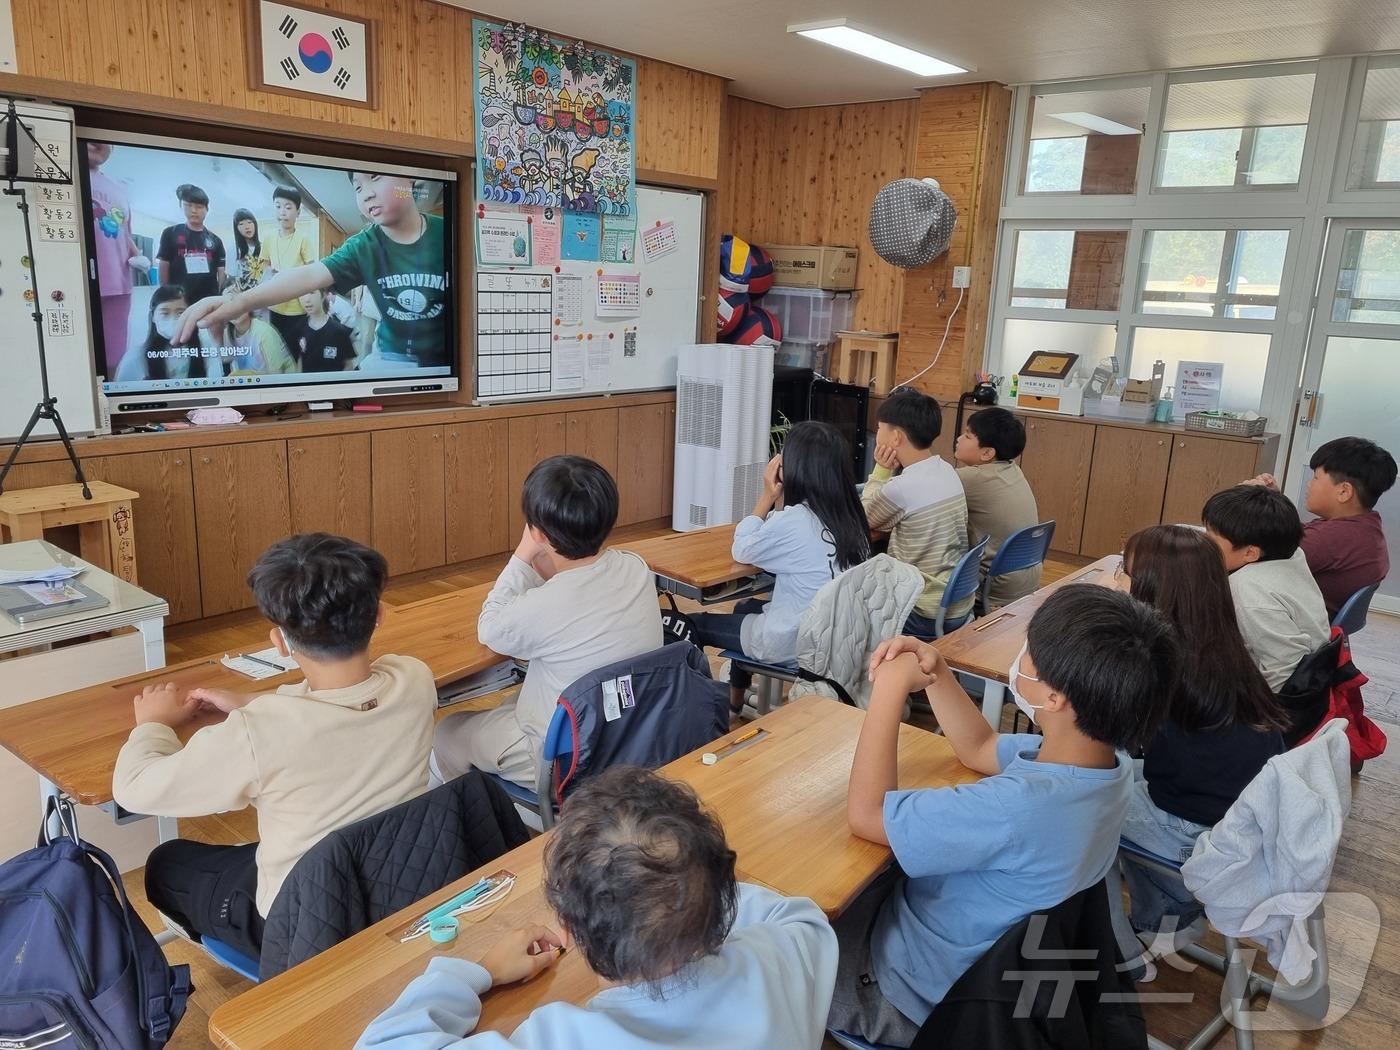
514 314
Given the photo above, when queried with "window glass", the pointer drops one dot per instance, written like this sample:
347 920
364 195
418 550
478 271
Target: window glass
1085 142
1245 356
1212 273
1376 159
1021 338
1368 283
1068 269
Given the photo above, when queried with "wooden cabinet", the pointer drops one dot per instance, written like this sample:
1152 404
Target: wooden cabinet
1201 467
167 557
1056 463
1126 487
241 508
645 441
594 434
408 523
532 438
329 485
478 494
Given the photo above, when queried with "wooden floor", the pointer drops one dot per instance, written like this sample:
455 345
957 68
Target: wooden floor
1368 865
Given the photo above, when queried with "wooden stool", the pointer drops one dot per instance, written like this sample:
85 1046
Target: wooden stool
866 359
106 533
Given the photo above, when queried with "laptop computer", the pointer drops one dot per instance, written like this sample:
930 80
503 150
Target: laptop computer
21 603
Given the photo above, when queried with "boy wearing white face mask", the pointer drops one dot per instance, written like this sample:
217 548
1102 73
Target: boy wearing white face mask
974 860
350 741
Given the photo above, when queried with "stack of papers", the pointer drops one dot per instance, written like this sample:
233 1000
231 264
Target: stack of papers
51 574
265 663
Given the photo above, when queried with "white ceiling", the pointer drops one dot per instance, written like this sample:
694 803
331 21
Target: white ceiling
1011 41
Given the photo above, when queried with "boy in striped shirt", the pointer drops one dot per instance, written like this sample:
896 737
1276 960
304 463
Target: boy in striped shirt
923 508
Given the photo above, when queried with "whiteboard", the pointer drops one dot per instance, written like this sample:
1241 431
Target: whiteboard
60 262
668 317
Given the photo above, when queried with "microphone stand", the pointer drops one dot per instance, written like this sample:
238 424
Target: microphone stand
47 408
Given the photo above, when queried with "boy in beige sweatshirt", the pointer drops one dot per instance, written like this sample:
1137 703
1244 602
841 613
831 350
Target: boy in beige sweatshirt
350 741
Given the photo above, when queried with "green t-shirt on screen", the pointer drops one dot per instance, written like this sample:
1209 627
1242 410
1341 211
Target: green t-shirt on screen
409 285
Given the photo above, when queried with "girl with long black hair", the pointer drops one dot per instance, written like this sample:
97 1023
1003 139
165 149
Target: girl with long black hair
157 357
807 526
1223 725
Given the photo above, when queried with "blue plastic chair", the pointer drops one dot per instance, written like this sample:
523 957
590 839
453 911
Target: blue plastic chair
231 958
1351 617
962 585
558 743
1024 549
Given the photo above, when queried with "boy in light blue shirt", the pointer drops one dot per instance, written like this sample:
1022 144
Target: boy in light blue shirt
976 859
641 883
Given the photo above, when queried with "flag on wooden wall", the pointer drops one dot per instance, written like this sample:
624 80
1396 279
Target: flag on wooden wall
319 52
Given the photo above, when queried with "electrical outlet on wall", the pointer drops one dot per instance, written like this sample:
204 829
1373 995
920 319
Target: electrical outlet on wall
962 276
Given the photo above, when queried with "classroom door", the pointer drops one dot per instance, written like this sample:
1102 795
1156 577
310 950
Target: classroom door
1351 378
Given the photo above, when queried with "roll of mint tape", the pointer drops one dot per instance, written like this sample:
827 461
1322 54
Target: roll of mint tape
443 930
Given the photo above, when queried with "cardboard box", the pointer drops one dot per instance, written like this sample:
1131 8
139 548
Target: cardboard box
814 266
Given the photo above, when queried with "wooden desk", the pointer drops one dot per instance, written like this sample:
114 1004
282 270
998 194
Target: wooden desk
782 800
72 739
986 647
782 797
696 564
329 1000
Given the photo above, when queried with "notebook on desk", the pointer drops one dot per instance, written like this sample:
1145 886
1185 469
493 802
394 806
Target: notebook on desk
27 603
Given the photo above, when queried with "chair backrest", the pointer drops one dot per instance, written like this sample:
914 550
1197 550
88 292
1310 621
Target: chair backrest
1351 617
1015 994
848 618
644 711
1023 549
962 584
368 870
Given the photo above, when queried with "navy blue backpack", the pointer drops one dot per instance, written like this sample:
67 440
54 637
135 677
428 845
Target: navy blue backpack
81 970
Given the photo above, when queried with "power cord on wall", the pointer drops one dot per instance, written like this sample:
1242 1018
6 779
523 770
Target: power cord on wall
946 329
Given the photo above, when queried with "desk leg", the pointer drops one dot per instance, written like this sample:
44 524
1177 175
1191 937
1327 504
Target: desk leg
993 696
153 638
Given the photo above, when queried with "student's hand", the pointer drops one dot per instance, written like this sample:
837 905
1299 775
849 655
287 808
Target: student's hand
772 478
886 456
164 704
521 954
139 262
220 699
209 312
529 549
1266 480
905 673
930 660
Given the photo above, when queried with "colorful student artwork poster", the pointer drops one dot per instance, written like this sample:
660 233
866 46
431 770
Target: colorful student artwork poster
553 122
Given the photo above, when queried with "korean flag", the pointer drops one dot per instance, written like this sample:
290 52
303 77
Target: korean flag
312 51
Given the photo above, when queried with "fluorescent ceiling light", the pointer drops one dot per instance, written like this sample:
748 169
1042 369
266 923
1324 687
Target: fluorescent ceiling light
867 45
1102 125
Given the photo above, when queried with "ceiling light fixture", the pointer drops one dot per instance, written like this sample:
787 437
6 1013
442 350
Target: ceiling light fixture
1102 125
838 33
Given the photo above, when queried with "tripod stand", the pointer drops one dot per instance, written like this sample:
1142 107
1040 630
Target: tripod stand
47 408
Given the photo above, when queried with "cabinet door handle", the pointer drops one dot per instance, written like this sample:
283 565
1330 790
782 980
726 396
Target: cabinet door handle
204 459
179 462
1160 442
1181 444
298 451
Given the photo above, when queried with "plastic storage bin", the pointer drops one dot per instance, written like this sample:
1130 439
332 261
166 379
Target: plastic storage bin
816 356
811 315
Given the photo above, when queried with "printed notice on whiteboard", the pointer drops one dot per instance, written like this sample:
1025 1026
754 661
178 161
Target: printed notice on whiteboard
619 295
568 299
658 240
1198 385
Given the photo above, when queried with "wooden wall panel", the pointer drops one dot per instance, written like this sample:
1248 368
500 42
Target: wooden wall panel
142 56
961 142
809 176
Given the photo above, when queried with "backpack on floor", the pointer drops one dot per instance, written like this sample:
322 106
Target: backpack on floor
82 971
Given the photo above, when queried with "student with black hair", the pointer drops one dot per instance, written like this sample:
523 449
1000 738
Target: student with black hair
158 356
807 526
972 861
640 883
999 499
564 604
249 265
1345 544
923 508
1279 607
1223 725
349 741
287 249
190 255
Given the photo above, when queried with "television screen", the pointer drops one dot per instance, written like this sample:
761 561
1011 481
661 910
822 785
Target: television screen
345 270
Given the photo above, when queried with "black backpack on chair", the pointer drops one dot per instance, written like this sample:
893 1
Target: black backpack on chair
676 626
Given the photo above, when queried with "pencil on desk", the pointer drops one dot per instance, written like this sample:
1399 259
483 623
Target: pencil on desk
259 660
740 739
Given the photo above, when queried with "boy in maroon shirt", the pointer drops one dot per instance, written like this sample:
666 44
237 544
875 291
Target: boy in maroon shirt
1345 545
